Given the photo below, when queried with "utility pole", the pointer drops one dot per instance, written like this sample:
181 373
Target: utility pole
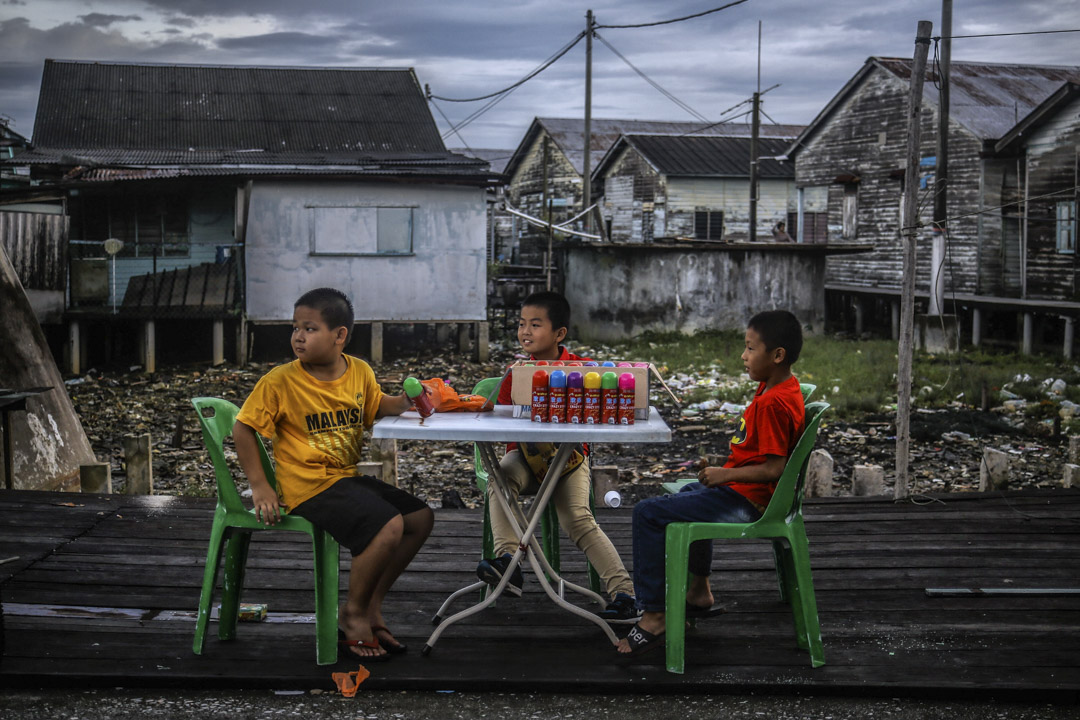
586 196
941 172
909 233
755 129
548 260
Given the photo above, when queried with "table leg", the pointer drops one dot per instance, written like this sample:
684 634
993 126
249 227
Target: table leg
527 547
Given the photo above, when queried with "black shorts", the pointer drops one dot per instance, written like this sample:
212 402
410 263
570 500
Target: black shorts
354 509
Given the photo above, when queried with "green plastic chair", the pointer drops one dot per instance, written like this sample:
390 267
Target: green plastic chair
549 521
807 390
782 522
231 536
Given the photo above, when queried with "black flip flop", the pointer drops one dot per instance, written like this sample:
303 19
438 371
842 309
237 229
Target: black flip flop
642 641
344 644
397 648
697 612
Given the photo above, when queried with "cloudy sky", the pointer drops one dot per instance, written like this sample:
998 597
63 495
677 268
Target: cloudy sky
465 49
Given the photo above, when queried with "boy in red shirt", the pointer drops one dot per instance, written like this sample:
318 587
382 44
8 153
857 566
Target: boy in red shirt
737 492
545 319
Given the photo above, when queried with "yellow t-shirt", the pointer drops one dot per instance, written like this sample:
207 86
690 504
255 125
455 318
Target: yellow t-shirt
316 426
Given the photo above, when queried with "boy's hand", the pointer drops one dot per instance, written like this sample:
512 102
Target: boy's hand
267 504
713 476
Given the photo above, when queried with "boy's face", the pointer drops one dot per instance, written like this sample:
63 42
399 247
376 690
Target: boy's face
313 341
536 335
759 361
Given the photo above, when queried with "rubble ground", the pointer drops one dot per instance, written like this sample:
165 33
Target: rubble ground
948 435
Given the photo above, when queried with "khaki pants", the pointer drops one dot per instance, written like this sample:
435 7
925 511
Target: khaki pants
571 499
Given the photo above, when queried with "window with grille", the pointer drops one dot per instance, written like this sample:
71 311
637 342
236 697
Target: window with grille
709 224
1066 226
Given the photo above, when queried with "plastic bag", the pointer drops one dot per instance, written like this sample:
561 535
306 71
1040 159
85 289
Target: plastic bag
445 399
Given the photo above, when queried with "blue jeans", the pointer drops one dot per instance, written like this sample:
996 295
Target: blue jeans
694 503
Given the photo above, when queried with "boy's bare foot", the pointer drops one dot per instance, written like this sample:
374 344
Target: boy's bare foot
651 622
356 634
698 592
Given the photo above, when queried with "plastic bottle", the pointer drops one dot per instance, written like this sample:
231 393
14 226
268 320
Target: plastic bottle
574 363
415 390
641 364
558 363
557 397
626 399
539 412
592 363
612 498
541 362
607 363
575 397
609 398
624 364
591 411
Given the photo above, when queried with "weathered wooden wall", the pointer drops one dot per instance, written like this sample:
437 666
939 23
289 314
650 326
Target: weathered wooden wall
526 192
1052 157
36 246
864 143
635 200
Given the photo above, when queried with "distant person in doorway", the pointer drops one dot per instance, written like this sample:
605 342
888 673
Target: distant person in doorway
780 234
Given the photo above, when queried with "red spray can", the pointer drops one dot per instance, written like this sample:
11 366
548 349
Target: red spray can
626 399
557 397
591 411
539 396
415 390
609 398
575 397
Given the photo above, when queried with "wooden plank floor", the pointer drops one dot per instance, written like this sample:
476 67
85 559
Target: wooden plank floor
103 589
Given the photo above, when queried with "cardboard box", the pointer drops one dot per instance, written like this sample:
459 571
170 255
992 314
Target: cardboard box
522 374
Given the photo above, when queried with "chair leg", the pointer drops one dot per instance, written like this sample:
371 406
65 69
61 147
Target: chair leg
232 583
487 551
677 549
806 607
326 597
781 561
549 526
206 596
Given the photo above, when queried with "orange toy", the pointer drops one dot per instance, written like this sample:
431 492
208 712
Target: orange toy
349 682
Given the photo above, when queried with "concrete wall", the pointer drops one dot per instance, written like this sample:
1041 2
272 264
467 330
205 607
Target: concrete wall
443 279
617 292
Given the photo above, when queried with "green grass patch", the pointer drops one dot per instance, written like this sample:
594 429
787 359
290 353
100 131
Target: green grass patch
859 376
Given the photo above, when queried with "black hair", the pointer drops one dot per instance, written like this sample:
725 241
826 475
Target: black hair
333 306
779 328
558 309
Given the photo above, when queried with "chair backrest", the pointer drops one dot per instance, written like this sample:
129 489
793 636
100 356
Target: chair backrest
786 501
485 387
807 390
217 417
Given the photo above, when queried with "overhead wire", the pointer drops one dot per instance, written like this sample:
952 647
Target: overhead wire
672 20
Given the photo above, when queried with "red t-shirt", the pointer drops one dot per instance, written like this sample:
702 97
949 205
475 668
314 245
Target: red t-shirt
771 425
508 381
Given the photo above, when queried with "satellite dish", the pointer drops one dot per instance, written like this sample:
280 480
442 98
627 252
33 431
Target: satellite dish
113 245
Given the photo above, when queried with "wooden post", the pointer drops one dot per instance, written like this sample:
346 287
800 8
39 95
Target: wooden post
149 347
385 452
139 459
868 480
909 233
242 341
1029 334
462 337
219 342
894 312
96 478
483 342
976 327
994 470
1070 333
857 306
376 354
74 348
819 474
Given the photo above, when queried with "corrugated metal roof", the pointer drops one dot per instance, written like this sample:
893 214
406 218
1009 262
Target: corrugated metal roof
569 134
92 105
692 156
989 98
495 158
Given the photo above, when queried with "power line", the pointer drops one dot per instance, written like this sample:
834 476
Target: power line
1011 34
543 66
652 82
987 211
453 129
673 20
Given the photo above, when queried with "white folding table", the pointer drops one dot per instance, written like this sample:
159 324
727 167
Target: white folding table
488 428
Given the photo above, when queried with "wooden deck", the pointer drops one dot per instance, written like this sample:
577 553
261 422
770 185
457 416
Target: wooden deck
103 588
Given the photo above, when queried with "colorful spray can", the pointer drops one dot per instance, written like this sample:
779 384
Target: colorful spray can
591 411
626 399
539 411
592 363
415 390
557 397
609 398
607 363
541 362
624 364
575 397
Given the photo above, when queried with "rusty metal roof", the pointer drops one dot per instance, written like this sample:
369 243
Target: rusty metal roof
694 156
569 135
989 98
126 121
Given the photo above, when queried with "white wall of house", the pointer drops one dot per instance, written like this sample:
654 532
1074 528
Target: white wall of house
776 198
308 234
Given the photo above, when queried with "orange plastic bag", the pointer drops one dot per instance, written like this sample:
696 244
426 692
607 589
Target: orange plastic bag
349 682
445 399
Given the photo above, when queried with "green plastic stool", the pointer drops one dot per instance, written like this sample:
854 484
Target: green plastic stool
231 536
782 522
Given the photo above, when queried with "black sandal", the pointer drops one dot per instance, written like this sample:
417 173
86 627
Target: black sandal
642 641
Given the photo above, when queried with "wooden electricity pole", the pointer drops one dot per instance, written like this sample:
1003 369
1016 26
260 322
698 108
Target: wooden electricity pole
586 165
909 231
755 130
941 170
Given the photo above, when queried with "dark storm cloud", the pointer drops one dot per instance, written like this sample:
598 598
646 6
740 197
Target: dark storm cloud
102 20
184 22
288 42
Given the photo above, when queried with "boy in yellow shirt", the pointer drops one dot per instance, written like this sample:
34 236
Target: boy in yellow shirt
315 409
